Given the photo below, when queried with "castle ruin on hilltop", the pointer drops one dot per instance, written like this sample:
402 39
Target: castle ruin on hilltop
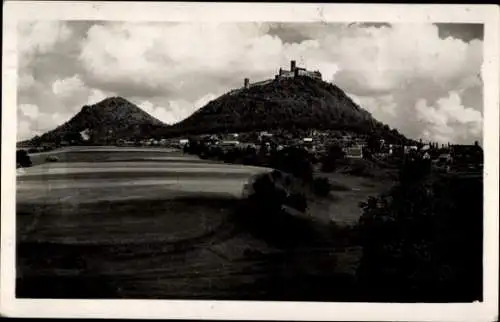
282 74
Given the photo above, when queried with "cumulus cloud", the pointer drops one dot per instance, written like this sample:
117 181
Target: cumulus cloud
448 120
25 82
173 111
383 107
24 130
381 60
395 71
159 112
31 121
29 110
40 37
96 95
182 60
66 87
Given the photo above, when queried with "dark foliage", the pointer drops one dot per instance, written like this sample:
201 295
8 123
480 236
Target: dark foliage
52 158
23 159
332 157
321 186
293 104
112 119
265 215
360 168
293 160
423 241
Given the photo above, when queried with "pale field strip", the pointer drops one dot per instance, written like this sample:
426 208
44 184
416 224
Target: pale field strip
66 171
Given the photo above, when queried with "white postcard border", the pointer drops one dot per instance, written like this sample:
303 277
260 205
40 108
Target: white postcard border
243 310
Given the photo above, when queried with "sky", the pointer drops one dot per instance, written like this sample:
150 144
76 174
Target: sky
423 79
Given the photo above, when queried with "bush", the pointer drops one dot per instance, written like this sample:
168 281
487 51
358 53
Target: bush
52 158
23 159
423 240
321 186
360 168
330 160
233 155
294 161
297 201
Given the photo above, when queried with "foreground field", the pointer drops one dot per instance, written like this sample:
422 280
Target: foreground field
125 223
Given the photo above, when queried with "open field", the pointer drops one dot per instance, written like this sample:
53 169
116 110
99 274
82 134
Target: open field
348 191
130 223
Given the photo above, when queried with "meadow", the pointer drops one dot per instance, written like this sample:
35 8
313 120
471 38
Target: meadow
151 223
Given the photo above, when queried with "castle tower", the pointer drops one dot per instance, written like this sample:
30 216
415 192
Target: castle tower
292 65
247 83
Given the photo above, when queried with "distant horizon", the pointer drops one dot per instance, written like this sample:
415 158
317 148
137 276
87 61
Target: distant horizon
429 86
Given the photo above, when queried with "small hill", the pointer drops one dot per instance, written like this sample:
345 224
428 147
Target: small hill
106 122
289 103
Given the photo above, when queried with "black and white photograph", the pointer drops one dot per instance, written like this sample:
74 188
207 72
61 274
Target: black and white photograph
211 155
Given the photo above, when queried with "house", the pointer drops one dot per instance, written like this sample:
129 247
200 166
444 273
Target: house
467 154
410 148
444 158
354 152
229 143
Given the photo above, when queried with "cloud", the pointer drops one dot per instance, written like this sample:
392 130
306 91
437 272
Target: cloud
31 121
40 37
172 69
159 112
174 111
25 82
68 86
156 60
383 108
449 120
24 130
29 110
204 100
380 60
96 95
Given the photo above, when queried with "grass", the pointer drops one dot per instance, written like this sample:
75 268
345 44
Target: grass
335 186
342 204
121 235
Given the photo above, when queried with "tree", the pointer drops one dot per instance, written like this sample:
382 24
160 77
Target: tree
333 155
295 161
423 240
23 159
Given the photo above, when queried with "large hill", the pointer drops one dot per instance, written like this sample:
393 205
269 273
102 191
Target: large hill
288 103
112 119
280 104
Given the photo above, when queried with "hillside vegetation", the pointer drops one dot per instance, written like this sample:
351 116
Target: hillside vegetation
295 103
112 119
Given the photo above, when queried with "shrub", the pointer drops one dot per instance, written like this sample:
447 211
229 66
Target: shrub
330 160
361 168
423 240
321 186
23 159
52 158
294 161
297 201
